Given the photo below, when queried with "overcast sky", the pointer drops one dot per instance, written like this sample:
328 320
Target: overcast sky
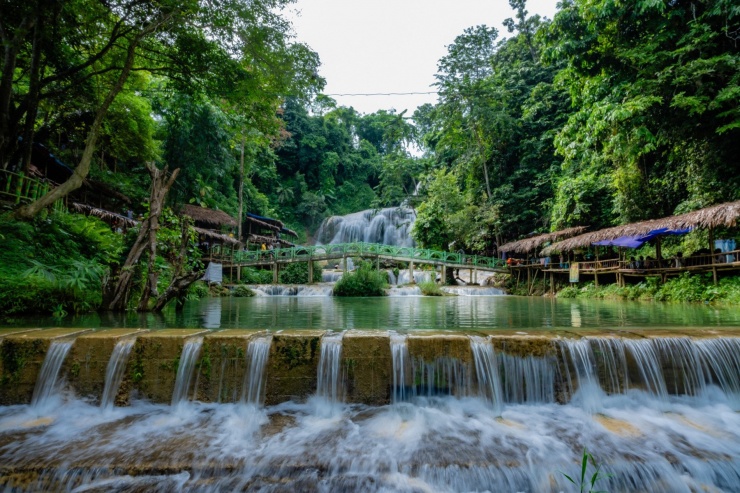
384 46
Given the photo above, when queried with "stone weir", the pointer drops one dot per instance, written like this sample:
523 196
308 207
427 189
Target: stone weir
370 367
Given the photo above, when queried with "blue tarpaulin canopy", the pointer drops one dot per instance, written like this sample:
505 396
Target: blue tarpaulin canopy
638 241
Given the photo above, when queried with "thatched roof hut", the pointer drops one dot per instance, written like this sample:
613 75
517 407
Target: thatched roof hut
266 223
217 237
210 217
534 242
722 215
107 216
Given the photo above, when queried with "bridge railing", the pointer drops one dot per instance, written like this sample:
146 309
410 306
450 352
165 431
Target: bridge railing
361 249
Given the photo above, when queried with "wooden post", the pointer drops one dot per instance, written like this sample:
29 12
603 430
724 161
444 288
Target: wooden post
310 271
444 274
552 283
411 273
711 252
275 272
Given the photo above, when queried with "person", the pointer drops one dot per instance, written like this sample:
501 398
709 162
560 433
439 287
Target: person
632 264
649 262
271 253
641 262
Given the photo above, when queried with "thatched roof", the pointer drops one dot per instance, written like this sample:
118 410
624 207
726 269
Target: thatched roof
722 215
530 244
208 216
106 216
267 240
225 239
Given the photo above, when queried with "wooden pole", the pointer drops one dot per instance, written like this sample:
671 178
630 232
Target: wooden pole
411 273
310 271
711 252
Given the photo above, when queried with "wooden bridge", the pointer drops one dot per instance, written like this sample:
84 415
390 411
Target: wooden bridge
371 251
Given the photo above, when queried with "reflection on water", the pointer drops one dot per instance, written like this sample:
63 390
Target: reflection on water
408 313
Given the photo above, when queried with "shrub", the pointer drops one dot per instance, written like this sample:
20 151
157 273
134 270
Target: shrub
297 273
364 281
242 292
198 290
256 276
430 288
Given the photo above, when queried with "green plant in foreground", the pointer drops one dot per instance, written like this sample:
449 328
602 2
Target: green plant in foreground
430 288
584 484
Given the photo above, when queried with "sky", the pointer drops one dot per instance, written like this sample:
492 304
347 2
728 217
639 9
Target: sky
391 46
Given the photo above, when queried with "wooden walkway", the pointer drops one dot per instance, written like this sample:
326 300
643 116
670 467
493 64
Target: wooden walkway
371 251
623 269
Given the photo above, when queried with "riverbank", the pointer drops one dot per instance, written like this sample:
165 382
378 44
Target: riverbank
686 288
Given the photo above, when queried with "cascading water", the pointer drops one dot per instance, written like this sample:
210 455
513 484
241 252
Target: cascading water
330 383
401 367
185 369
686 442
443 376
391 226
115 371
258 350
487 371
46 384
404 276
472 291
297 290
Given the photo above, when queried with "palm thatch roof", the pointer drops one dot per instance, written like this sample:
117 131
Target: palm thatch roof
225 239
212 217
534 242
107 216
721 215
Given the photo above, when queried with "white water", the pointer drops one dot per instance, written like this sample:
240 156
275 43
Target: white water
258 351
391 226
472 291
487 371
404 276
404 291
331 275
401 367
48 381
647 440
185 369
115 371
292 290
330 380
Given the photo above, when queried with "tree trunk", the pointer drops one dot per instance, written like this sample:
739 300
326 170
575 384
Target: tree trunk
118 297
180 282
241 192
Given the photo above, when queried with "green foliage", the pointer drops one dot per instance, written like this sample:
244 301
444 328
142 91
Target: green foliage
55 265
198 290
363 281
242 291
430 288
250 275
584 483
297 273
684 288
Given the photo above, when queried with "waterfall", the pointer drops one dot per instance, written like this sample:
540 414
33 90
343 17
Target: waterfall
472 291
331 275
486 370
330 382
47 380
442 376
186 368
258 350
528 379
298 290
390 226
115 370
400 357
420 276
580 355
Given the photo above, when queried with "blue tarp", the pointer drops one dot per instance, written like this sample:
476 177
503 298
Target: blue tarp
638 241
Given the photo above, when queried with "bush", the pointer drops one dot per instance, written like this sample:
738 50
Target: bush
55 263
198 290
297 273
256 276
242 292
364 281
698 288
430 288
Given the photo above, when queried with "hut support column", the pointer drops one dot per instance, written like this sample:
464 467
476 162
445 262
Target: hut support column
275 273
711 251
